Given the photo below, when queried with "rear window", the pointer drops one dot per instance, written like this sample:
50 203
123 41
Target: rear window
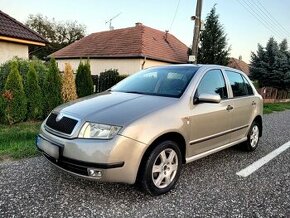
240 85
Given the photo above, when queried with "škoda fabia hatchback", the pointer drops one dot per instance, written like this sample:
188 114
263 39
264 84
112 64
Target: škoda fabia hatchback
147 126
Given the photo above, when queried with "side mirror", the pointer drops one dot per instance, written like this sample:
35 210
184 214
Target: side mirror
209 98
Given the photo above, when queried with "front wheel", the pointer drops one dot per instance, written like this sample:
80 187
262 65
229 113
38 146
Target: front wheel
162 168
253 137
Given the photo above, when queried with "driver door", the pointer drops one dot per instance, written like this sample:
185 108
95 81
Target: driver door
210 122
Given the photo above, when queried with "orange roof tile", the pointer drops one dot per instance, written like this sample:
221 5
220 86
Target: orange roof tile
138 41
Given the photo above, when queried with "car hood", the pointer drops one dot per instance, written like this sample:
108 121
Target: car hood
116 108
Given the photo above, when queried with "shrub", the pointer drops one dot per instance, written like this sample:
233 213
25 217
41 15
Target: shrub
52 87
84 82
14 96
68 90
23 67
108 79
34 95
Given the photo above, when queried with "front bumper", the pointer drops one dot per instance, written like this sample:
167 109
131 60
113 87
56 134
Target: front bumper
117 159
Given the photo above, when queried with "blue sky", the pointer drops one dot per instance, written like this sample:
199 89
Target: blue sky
244 31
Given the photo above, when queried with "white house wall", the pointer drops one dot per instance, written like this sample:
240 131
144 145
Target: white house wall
124 66
10 50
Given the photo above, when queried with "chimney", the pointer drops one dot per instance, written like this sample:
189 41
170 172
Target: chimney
166 34
240 58
138 24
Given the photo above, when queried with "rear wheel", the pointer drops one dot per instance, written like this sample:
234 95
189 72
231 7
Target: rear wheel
253 137
162 168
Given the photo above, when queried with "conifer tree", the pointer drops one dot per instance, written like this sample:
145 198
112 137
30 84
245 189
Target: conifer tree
270 66
34 95
213 42
68 90
84 82
52 87
14 96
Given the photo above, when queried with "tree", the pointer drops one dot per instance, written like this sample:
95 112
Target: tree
52 87
68 90
270 66
34 95
14 96
213 48
84 82
59 34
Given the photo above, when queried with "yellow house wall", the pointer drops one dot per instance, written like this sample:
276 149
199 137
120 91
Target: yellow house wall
124 66
10 50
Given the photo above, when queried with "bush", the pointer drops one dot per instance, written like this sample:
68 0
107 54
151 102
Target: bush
34 95
109 78
68 90
84 82
52 87
14 96
23 67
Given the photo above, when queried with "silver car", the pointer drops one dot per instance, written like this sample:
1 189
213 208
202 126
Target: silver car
147 126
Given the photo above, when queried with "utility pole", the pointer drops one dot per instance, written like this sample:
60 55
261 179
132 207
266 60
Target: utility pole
196 33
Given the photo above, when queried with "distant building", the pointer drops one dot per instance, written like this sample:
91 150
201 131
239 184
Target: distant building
128 50
15 38
239 64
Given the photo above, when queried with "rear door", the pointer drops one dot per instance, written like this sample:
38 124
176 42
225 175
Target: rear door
244 104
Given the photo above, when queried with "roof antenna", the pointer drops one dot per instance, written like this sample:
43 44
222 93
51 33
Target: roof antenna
110 21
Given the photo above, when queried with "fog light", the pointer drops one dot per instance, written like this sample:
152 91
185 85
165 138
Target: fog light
94 172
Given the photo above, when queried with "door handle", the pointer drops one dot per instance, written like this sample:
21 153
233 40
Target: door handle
254 103
230 107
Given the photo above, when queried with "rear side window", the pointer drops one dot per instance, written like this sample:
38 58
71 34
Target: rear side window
213 83
239 84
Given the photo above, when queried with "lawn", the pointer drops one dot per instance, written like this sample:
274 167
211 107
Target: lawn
269 108
18 141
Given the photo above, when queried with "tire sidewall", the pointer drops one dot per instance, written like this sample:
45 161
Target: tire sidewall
249 146
149 165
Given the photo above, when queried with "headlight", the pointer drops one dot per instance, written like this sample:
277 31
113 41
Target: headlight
98 131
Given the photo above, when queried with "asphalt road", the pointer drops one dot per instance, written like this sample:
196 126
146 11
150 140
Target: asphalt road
207 188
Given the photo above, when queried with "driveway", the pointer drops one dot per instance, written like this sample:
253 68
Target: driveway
207 187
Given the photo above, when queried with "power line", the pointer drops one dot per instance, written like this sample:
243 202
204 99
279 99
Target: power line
266 17
273 18
253 13
174 14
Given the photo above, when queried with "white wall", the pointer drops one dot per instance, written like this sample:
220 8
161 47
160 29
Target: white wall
124 66
9 50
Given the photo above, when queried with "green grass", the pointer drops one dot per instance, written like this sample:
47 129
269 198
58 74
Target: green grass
269 108
18 141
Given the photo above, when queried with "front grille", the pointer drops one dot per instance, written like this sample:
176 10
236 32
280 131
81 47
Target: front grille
65 124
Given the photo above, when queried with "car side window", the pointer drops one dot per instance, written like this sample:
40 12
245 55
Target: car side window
212 82
249 87
238 84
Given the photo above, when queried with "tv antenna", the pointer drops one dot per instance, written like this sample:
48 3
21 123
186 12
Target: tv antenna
110 21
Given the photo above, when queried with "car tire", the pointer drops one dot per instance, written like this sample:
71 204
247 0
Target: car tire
253 137
162 168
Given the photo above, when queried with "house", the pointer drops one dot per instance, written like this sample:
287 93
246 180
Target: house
128 50
15 38
239 64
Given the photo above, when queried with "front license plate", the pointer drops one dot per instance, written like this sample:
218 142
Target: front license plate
47 147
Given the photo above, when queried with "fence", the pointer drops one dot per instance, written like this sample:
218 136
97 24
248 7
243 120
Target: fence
271 95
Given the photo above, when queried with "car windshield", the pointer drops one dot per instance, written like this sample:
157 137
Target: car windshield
160 81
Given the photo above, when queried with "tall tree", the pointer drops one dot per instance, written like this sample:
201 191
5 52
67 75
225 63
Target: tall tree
270 66
59 34
213 42
52 87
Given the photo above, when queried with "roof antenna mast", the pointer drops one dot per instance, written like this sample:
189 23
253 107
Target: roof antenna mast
110 21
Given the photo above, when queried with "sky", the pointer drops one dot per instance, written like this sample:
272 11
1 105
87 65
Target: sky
243 20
